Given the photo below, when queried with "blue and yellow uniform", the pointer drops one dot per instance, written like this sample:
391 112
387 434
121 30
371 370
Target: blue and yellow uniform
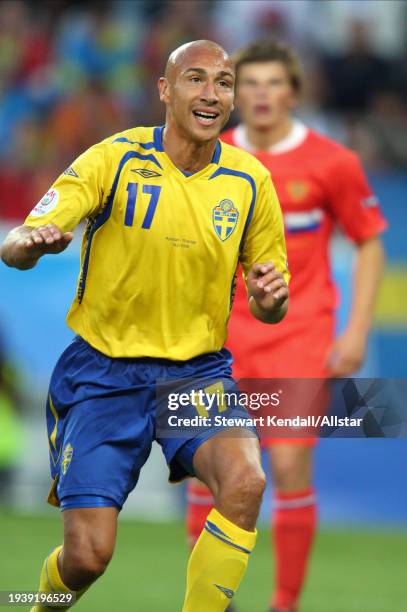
158 263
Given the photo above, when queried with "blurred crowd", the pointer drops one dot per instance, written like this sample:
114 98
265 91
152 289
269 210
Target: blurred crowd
72 73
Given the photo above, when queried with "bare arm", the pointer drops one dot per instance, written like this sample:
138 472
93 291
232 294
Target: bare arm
368 272
24 245
348 350
268 301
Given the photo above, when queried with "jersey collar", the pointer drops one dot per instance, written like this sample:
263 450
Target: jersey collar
294 139
158 144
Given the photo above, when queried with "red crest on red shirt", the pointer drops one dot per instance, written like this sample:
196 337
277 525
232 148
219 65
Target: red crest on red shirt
297 190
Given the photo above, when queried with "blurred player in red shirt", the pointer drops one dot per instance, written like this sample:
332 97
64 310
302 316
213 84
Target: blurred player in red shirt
320 185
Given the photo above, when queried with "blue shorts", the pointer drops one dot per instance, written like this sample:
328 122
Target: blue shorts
101 421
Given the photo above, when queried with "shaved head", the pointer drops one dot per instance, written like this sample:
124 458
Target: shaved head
185 53
198 91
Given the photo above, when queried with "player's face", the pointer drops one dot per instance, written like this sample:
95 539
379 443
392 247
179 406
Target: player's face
199 97
264 94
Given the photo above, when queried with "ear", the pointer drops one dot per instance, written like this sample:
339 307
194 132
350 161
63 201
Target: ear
163 89
294 100
292 104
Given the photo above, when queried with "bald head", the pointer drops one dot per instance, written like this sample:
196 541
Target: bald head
198 90
185 54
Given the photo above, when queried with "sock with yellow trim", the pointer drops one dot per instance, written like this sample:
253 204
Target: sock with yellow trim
50 581
217 564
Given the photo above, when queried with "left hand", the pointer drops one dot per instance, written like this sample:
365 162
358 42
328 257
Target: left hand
346 354
267 286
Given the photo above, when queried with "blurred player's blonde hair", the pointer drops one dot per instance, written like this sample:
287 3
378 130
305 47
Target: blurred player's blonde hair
271 51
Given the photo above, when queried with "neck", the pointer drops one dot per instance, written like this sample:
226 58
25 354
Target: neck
263 139
184 153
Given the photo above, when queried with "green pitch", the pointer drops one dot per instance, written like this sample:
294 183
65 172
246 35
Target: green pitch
350 571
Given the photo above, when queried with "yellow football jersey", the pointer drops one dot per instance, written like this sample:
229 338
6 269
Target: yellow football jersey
160 249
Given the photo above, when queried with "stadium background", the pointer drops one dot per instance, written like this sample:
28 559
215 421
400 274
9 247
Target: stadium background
73 73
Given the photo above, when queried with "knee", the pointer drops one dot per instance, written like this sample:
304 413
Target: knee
284 472
245 484
290 472
240 494
93 561
253 483
85 561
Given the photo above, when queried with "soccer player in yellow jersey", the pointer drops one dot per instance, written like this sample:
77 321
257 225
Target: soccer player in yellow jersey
170 212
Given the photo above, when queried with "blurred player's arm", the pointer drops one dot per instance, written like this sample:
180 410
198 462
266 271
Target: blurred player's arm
348 350
76 194
264 258
357 211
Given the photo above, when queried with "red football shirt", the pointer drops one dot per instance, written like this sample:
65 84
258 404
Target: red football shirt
320 185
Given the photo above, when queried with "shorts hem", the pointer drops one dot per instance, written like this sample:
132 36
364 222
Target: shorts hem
90 491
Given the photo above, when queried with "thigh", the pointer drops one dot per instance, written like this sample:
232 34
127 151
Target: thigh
180 443
195 401
89 541
220 457
291 465
92 529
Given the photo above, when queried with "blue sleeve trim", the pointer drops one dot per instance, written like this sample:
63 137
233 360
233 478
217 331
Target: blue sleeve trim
228 171
104 215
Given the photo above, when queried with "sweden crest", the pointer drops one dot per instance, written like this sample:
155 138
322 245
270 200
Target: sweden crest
224 218
66 458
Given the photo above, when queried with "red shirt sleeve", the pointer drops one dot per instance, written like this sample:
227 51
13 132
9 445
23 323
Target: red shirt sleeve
351 200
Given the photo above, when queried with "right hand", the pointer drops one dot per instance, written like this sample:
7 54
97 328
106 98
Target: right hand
24 245
267 286
44 239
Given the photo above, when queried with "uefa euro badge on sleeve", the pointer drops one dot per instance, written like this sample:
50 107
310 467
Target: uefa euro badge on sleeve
46 204
224 217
